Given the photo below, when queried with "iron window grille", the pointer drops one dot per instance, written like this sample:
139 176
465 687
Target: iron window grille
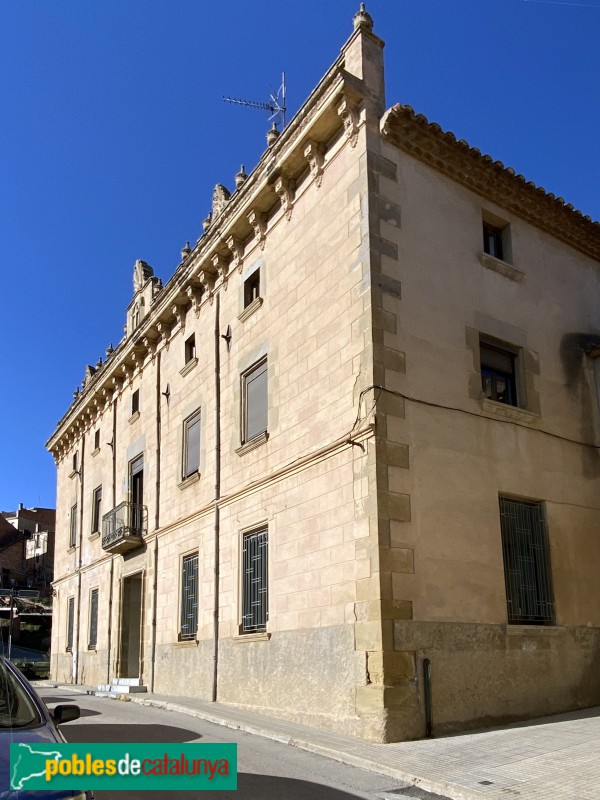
189 598
191 445
254 401
73 526
498 373
526 563
255 596
96 509
93 639
70 623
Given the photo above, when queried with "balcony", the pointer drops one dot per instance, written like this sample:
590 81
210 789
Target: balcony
123 527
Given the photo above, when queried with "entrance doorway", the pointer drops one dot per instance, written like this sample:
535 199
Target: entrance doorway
131 626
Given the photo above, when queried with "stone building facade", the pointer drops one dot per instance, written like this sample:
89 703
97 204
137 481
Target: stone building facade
343 467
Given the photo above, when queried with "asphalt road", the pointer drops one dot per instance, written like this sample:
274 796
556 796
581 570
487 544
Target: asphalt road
267 770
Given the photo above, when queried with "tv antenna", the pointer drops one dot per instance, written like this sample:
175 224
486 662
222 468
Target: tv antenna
276 104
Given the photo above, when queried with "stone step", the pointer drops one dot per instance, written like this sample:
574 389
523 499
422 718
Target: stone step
126 681
120 686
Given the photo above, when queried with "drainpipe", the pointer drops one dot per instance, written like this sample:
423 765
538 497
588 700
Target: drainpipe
217 496
112 558
80 560
156 523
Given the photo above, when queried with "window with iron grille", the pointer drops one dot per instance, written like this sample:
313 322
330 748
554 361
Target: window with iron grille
73 526
70 622
191 445
189 598
255 596
254 401
93 638
526 563
96 509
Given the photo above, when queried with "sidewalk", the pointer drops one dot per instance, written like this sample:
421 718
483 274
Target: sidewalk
554 758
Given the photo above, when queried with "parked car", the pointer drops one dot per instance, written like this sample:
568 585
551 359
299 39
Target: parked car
25 718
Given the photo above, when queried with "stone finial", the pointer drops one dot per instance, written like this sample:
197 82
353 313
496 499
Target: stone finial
362 19
272 135
240 177
185 251
221 195
206 223
110 350
141 273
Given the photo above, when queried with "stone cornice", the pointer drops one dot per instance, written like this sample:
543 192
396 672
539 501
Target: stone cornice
466 165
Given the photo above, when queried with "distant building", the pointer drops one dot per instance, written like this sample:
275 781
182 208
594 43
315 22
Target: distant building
32 548
344 465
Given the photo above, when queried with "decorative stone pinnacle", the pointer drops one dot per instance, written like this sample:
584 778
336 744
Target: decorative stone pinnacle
362 19
185 251
240 177
272 135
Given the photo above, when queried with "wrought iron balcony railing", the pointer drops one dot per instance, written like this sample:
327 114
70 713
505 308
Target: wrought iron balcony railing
123 527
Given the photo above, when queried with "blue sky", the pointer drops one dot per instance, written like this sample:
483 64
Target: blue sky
113 134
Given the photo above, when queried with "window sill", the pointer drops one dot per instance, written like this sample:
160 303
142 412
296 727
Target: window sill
518 629
513 413
92 649
94 535
186 643
71 548
95 452
258 441
260 636
194 478
72 474
134 417
249 310
502 267
188 367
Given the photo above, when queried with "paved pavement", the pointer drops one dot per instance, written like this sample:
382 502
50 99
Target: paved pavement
554 758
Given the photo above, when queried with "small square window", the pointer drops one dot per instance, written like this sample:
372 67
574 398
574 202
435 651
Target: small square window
254 401
190 348
252 288
96 509
492 241
135 401
191 445
97 439
499 372
76 461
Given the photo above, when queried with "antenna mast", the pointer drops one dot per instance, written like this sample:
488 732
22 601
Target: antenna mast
276 104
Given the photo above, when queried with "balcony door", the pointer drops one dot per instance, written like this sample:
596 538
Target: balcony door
136 490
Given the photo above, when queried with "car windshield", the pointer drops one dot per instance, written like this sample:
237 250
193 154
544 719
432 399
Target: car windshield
17 709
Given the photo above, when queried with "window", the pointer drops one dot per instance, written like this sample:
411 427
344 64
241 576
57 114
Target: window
97 439
190 348
73 526
96 509
189 598
526 562
252 288
93 638
136 493
498 372
70 622
492 241
135 402
255 598
191 445
75 463
254 401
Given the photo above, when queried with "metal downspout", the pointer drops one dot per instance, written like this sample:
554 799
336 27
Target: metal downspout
156 522
80 560
217 496
112 558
